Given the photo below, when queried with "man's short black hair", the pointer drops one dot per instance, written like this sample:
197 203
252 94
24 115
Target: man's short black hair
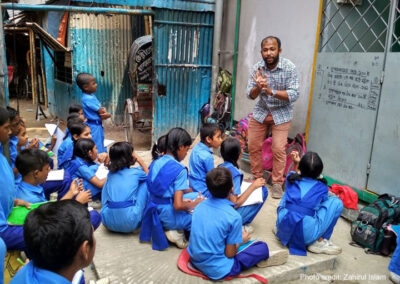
29 160
208 130
54 232
271 37
219 182
83 79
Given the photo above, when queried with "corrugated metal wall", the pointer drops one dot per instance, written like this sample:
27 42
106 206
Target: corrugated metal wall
182 59
100 46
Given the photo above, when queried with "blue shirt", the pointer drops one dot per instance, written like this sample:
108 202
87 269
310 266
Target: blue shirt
282 77
86 172
122 186
181 181
30 193
13 150
65 152
200 163
91 106
8 191
215 224
237 179
3 252
30 274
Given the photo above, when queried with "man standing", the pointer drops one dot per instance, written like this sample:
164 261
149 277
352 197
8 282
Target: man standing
274 80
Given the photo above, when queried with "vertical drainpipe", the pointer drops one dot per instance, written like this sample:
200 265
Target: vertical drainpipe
219 5
235 56
3 92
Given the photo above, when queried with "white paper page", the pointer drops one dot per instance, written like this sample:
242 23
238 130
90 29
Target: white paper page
108 142
102 172
51 128
255 197
60 136
55 175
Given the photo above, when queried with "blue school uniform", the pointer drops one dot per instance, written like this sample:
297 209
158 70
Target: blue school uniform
249 212
79 168
166 175
200 163
30 193
91 106
215 224
30 274
13 150
305 214
11 235
3 252
64 153
124 198
394 264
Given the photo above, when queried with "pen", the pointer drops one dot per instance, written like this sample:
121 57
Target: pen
20 261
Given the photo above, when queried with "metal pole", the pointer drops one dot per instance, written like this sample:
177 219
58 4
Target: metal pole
3 82
26 7
235 55
219 7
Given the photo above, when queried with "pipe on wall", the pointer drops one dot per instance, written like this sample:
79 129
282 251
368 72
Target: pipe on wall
79 9
235 56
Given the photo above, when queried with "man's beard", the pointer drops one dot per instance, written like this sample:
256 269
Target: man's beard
274 62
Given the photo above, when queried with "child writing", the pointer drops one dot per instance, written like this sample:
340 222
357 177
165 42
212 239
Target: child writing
306 215
231 152
201 159
11 235
77 131
168 209
92 108
34 166
60 241
217 233
124 196
83 165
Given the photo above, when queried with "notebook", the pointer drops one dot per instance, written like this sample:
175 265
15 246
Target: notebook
55 175
255 197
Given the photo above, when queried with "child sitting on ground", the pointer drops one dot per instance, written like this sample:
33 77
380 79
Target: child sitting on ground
77 108
124 196
60 242
168 208
217 233
11 235
34 166
14 119
306 214
65 152
201 159
84 166
92 108
159 148
231 152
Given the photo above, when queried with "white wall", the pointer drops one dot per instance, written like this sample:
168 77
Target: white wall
294 22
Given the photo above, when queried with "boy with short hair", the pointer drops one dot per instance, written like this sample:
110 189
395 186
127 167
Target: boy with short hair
201 159
34 166
14 118
217 233
60 242
92 109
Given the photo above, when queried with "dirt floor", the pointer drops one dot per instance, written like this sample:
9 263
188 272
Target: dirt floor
141 139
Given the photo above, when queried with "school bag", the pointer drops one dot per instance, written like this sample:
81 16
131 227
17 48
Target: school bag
368 230
242 132
297 144
224 81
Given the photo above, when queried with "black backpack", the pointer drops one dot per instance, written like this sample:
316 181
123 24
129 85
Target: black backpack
369 229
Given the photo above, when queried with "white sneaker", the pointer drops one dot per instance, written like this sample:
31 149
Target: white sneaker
324 246
276 257
95 204
274 230
394 277
177 237
248 228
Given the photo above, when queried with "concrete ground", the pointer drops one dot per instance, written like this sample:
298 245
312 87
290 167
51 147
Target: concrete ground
123 259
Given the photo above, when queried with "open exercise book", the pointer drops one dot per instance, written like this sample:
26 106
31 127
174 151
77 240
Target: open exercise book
102 172
254 198
55 175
